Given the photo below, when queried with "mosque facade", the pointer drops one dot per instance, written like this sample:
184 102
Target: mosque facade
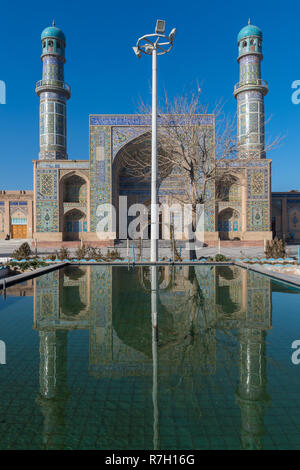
67 193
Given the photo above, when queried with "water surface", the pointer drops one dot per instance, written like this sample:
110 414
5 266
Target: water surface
183 358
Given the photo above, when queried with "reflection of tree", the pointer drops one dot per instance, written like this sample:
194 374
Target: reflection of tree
202 324
195 330
74 273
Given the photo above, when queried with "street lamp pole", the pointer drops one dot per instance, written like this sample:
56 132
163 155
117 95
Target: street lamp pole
154 44
154 205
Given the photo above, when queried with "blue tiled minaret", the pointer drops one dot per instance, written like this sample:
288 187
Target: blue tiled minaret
53 93
250 92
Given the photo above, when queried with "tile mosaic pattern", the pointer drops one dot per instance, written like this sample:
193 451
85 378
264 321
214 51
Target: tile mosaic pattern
53 111
251 119
258 200
250 68
138 120
2 212
257 184
100 170
47 216
122 135
47 207
69 165
46 185
258 216
293 209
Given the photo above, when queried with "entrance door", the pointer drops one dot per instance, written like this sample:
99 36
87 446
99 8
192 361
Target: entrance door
228 224
74 224
19 231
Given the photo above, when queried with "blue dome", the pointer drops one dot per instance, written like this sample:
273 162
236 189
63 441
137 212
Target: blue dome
249 30
53 32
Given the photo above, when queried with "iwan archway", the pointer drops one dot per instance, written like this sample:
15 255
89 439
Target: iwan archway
131 170
114 140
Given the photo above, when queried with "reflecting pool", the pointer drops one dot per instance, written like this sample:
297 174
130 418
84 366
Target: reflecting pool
181 357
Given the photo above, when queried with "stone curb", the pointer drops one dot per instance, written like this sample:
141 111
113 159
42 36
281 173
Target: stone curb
29 275
273 274
9 281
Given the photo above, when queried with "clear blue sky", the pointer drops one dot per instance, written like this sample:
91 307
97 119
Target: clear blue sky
106 77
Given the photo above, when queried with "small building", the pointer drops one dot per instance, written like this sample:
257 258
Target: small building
16 214
286 215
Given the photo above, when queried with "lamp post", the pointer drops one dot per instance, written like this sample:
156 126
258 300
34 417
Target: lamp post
154 44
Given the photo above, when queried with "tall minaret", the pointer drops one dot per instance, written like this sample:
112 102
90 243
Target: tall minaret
250 92
53 93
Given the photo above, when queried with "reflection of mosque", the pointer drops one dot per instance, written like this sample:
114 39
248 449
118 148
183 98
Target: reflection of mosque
195 306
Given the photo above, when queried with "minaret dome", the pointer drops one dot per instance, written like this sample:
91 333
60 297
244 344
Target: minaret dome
250 40
53 41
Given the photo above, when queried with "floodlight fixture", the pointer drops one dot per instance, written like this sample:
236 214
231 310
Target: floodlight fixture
172 34
137 51
160 27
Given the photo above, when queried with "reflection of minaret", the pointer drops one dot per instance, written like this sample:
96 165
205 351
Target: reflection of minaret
53 386
251 392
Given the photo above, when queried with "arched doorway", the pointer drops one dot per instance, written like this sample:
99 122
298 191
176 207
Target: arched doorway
229 224
74 189
73 292
18 220
74 224
229 189
132 178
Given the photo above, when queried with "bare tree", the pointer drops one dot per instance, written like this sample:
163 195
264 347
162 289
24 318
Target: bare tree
197 147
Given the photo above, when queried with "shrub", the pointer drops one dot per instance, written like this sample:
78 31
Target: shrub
63 253
275 248
220 257
23 252
112 255
94 253
30 264
81 252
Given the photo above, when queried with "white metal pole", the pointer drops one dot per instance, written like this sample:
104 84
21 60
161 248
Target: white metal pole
154 208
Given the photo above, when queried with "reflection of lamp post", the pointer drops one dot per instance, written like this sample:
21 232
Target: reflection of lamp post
154 44
154 288
251 393
53 386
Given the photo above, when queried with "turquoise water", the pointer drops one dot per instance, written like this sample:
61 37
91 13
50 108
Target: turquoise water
88 368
